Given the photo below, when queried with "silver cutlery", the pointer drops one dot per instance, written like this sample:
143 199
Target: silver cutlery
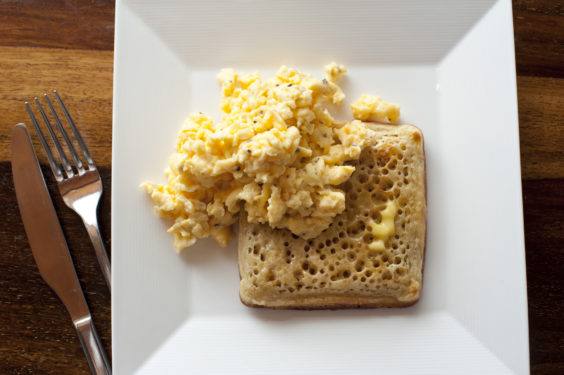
49 246
80 184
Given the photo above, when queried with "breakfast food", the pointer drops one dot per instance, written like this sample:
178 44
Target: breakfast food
278 154
372 253
333 71
332 214
372 108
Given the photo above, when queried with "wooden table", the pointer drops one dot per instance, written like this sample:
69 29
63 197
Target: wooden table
69 45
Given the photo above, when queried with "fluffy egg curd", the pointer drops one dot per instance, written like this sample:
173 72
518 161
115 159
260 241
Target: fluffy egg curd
277 153
372 108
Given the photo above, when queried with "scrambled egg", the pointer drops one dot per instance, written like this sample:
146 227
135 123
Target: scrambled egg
333 71
372 108
278 153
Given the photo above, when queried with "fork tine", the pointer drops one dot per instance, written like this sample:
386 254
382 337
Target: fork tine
74 155
64 160
85 151
55 168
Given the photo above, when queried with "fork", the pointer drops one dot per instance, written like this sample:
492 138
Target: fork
80 185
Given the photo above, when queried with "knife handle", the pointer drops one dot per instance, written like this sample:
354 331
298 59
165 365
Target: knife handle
95 354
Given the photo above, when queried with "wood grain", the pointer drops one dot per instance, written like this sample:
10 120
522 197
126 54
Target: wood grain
541 130
539 37
72 50
84 80
77 24
543 204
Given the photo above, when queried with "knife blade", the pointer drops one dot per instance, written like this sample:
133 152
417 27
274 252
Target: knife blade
49 246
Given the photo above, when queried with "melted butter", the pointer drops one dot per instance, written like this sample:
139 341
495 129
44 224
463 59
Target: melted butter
385 228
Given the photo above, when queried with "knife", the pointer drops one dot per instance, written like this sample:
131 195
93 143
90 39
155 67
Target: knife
49 246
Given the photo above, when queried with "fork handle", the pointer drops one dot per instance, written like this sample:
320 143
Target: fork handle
100 250
95 354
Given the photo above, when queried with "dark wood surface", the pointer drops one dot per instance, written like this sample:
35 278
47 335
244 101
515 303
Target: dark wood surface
69 45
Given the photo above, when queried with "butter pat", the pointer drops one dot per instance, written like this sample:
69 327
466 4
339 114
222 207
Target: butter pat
385 228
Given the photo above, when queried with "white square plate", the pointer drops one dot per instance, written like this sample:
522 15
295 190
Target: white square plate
450 64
